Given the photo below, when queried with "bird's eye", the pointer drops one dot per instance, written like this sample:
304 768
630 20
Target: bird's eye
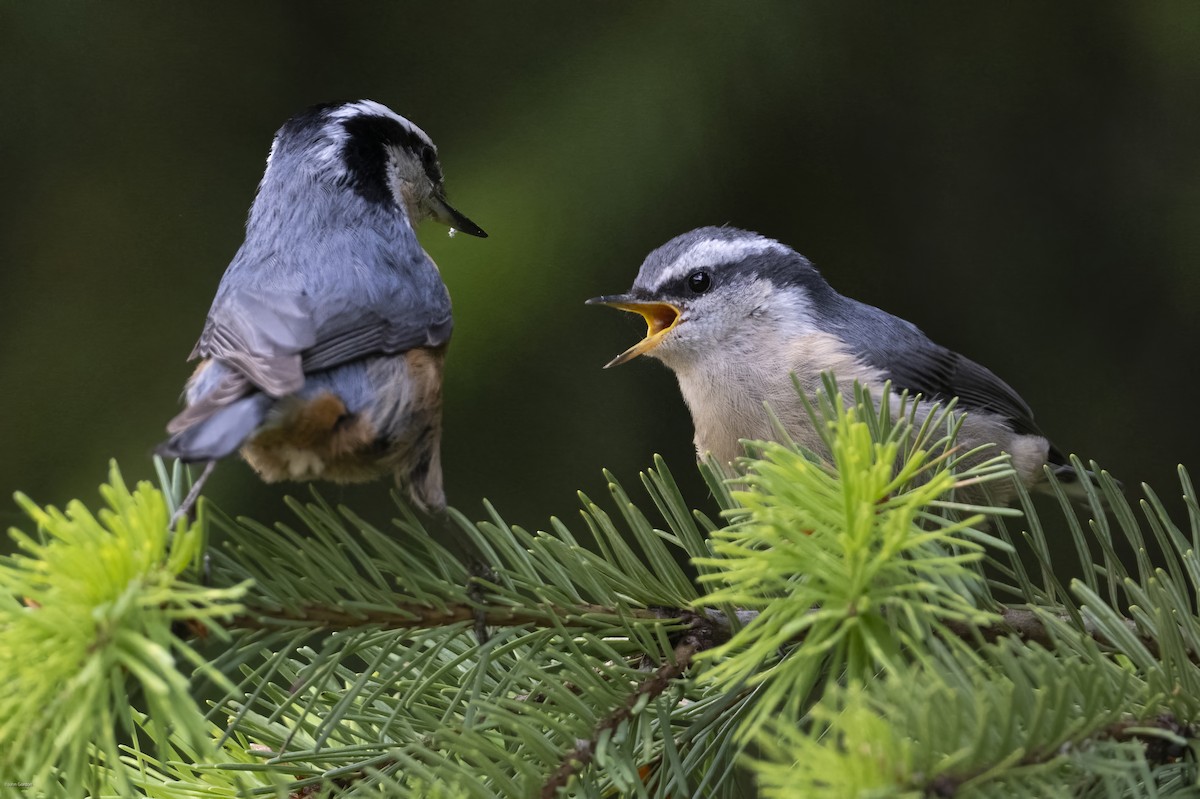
428 157
699 281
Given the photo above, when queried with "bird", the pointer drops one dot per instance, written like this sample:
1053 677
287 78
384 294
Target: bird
322 354
735 315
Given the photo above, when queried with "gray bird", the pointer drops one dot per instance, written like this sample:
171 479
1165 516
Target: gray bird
735 314
322 353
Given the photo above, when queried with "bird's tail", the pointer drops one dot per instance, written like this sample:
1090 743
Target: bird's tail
220 433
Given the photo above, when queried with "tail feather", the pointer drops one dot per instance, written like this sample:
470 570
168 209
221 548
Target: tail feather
220 433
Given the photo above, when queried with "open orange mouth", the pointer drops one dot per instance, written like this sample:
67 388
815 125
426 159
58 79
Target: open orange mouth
661 318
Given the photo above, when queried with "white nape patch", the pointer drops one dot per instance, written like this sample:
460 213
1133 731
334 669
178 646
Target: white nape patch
711 252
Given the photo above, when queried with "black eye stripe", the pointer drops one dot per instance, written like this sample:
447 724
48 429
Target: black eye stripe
365 154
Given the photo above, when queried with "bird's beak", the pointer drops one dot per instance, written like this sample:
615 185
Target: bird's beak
448 215
661 318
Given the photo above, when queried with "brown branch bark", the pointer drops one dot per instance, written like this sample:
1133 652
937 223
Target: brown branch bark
704 634
402 617
1026 624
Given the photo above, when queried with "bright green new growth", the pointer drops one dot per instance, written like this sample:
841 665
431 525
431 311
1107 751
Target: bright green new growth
1005 728
854 640
851 557
86 608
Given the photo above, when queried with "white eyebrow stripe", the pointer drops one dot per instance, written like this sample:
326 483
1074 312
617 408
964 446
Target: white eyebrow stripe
366 107
372 108
330 151
711 252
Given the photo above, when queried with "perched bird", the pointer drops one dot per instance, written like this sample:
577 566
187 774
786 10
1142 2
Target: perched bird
322 353
735 314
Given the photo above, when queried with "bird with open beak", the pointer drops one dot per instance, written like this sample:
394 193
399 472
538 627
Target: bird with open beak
735 315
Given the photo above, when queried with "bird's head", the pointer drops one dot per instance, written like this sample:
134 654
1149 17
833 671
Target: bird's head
366 147
720 294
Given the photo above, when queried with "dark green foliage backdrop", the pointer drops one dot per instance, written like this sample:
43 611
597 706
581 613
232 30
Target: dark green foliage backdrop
1023 182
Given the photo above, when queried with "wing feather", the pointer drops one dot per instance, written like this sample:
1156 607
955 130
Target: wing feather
317 316
911 361
941 374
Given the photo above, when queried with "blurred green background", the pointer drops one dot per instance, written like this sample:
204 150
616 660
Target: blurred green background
1022 181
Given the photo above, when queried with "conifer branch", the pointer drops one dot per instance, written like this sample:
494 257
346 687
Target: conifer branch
702 635
849 619
1029 627
408 616
1024 623
1164 738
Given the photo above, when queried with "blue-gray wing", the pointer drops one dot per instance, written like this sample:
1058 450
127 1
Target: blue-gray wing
330 307
941 374
323 303
911 361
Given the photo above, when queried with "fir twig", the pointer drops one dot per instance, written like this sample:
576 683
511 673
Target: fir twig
417 616
1164 740
702 635
1028 625
866 646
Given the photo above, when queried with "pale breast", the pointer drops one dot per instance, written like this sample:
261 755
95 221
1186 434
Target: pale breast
729 400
